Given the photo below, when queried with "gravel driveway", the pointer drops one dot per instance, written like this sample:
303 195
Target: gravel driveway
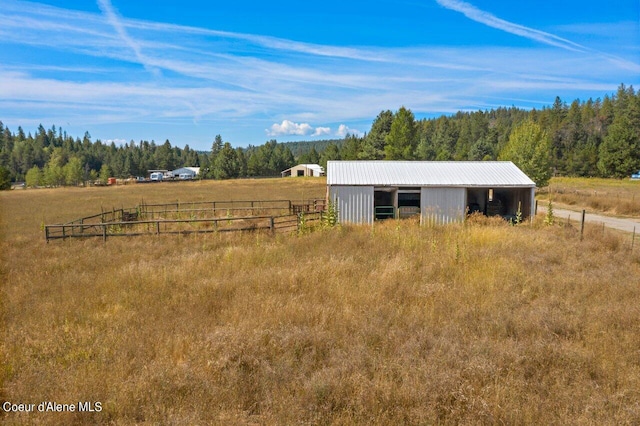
620 223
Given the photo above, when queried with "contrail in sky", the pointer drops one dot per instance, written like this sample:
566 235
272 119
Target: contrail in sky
475 14
107 8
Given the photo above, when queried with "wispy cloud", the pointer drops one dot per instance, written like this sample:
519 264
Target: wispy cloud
112 17
217 79
483 17
475 14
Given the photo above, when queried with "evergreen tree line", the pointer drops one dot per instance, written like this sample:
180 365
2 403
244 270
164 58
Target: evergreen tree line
586 138
53 158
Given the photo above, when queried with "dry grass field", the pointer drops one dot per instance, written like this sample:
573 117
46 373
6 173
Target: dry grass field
478 323
614 196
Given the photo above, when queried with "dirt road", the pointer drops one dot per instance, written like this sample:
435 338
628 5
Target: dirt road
622 224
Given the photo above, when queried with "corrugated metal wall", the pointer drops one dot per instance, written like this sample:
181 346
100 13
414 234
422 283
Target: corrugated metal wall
443 205
355 203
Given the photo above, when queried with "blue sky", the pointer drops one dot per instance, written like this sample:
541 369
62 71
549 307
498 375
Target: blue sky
252 71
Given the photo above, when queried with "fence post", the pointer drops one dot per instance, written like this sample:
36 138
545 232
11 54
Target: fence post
582 225
157 227
271 224
633 238
46 233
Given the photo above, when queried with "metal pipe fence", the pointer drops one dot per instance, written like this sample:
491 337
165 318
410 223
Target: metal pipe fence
192 217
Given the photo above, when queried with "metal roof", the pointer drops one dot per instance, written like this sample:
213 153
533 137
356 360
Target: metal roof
427 173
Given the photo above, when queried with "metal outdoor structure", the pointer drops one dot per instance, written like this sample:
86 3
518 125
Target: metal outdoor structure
304 170
192 217
437 191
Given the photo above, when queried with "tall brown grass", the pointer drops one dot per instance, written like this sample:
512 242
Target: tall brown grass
478 323
614 196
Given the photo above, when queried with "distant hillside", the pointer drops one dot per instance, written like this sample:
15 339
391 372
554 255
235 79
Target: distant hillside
301 148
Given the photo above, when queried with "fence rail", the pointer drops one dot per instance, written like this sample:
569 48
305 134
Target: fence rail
156 219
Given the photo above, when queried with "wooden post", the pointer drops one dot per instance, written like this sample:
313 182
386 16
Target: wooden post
157 227
582 225
46 233
271 225
633 238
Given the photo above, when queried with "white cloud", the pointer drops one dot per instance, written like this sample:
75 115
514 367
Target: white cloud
322 131
344 130
115 141
289 128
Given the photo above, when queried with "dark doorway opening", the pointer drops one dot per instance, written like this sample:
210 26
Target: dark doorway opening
384 203
408 202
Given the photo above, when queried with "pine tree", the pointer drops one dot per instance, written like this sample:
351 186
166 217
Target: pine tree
5 179
331 152
401 141
373 144
351 148
216 147
226 163
620 150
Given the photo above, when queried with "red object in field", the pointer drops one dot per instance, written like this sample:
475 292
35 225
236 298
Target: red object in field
111 181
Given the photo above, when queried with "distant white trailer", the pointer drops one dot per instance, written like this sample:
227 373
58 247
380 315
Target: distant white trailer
156 176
